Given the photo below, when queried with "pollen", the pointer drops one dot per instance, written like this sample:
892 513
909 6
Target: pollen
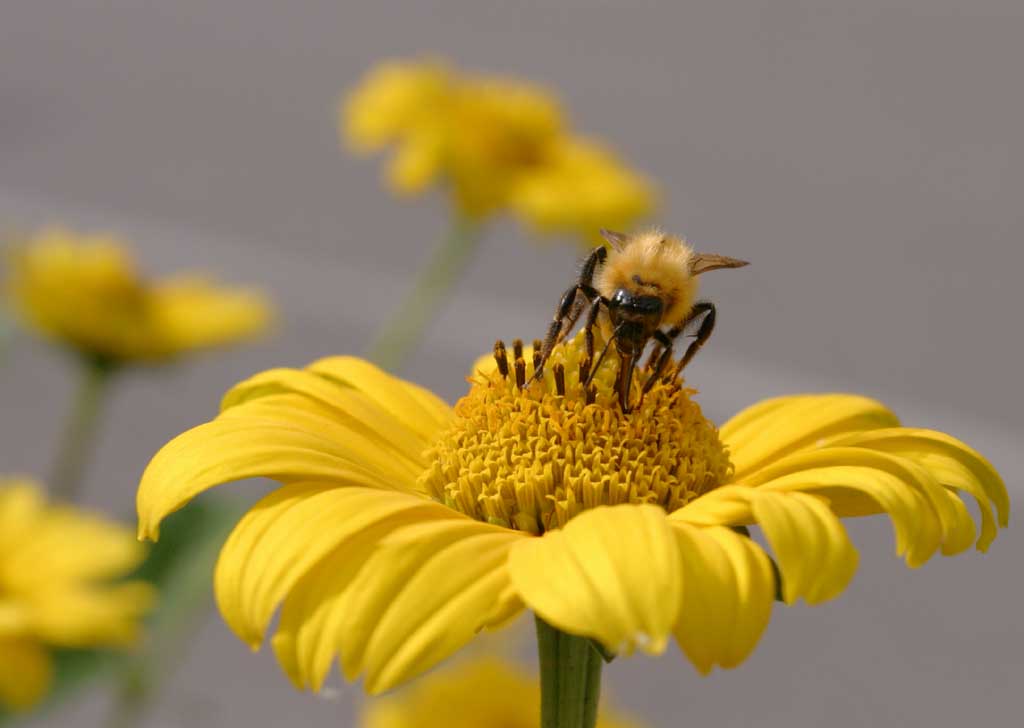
531 455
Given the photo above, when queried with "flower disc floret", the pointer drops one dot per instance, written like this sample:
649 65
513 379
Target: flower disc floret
533 457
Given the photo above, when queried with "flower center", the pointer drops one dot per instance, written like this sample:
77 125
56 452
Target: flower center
532 457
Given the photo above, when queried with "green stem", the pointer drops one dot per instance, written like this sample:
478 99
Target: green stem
402 333
570 678
80 430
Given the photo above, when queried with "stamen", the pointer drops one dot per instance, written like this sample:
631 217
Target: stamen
520 370
590 394
538 345
501 358
559 370
517 348
537 356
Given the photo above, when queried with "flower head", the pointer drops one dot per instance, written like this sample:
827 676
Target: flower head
85 292
482 693
56 590
496 143
402 527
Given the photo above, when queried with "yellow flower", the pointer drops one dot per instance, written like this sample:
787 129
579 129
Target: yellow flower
583 188
56 567
402 527
85 292
483 693
496 143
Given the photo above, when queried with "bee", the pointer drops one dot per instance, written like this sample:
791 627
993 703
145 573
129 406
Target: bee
644 287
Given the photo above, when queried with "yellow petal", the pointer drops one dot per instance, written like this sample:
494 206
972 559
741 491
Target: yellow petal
364 441
810 545
776 427
307 641
351 405
859 481
414 405
953 463
424 594
289 532
26 673
21 506
67 544
81 616
289 448
613 573
728 591
191 312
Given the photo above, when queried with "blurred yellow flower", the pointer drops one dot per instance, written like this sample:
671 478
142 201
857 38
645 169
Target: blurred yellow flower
582 185
402 527
85 292
486 138
56 590
483 693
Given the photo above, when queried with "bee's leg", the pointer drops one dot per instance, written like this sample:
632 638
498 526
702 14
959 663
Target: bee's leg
663 353
570 307
701 308
627 364
588 326
666 338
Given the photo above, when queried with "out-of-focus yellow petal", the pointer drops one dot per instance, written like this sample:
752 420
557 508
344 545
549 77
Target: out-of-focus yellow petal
581 188
55 567
728 591
289 532
417 163
765 432
86 292
85 616
477 693
587 579
422 595
810 545
26 672
21 507
68 544
395 98
192 312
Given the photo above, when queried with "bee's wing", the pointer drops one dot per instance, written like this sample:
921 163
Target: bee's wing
703 262
616 240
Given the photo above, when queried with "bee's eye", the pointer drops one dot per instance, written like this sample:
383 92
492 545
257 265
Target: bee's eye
647 304
622 298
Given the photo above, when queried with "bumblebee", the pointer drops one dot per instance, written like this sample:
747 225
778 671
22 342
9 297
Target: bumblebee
643 287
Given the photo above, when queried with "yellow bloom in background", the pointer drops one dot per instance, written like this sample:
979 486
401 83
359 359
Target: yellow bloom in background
483 693
492 141
86 292
403 526
57 566
583 184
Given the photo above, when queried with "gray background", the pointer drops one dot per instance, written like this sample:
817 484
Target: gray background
865 156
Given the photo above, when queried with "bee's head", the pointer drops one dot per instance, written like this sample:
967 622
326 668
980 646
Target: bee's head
634 317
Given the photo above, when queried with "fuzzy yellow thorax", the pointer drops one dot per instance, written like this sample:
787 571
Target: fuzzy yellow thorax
652 264
533 458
